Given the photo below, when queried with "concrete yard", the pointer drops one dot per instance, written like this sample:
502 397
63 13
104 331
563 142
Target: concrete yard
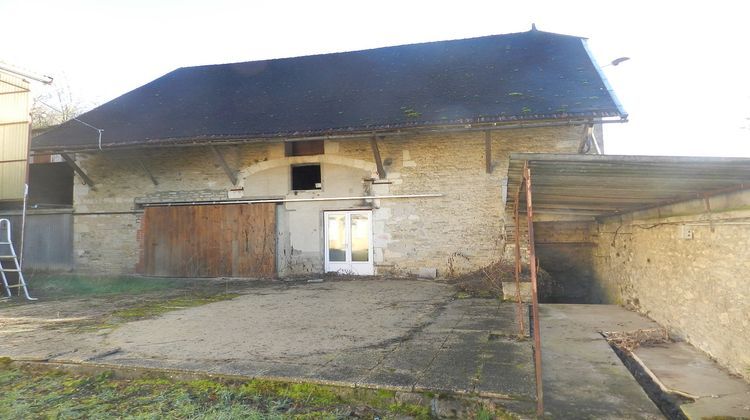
398 334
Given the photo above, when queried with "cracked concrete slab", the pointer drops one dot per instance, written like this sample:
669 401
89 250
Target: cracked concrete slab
393 333
583 377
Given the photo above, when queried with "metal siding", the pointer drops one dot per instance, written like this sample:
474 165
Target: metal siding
14 135
49 241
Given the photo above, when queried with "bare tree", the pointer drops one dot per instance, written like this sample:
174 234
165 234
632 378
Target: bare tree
54 107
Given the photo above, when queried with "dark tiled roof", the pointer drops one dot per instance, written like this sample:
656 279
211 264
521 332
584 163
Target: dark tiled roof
523 76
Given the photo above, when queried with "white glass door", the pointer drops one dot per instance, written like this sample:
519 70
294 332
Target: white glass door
348 236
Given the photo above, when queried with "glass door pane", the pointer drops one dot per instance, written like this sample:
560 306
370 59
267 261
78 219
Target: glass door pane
337 237
360 228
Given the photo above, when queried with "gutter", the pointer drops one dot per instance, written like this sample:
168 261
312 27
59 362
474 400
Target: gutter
43 79
198 141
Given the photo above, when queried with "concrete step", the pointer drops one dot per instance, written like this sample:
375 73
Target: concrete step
682 369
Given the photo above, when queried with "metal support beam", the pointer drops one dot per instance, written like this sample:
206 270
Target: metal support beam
588 142
519 304
584 146
147 171
534 294
85 178
488 151
592 139
232 175
378 160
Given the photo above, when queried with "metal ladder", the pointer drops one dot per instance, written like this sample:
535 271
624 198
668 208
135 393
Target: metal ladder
7 254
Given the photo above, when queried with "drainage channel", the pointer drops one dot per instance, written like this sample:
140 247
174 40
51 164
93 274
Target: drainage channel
668 403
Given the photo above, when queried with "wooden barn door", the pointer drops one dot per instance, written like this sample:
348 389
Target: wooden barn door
229 240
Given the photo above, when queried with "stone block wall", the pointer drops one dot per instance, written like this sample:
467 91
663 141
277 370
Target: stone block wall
686 268
460 231
564 250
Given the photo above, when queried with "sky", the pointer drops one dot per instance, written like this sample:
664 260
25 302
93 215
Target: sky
686 86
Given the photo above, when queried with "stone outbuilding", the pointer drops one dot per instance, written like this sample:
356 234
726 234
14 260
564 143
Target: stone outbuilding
383 161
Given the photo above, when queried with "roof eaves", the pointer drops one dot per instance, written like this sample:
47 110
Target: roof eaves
581 118
611 91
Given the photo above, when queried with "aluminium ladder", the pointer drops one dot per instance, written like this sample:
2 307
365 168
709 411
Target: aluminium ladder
9 262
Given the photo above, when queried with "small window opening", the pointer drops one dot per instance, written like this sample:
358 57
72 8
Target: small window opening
304 148
306 177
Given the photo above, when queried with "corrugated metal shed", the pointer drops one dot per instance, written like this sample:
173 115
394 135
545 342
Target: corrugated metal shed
587 186
14 135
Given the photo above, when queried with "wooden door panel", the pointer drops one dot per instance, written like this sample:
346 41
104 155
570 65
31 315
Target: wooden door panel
230 240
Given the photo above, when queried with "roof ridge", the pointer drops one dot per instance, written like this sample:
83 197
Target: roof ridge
532 31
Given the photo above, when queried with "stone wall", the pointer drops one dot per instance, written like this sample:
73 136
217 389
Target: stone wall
564 250
686 268
460 231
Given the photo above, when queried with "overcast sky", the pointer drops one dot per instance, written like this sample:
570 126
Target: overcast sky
686 87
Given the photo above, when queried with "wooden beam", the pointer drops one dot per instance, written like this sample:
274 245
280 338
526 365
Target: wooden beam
582 146
85 178
488 151
232 175
148 172
378 160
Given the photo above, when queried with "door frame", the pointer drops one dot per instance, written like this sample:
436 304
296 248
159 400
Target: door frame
347 267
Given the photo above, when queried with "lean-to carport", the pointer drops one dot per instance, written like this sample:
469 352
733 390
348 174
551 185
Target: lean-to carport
591 187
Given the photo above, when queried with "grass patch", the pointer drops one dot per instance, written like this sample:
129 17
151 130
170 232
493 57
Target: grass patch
37 392
57 285
152 309
33 393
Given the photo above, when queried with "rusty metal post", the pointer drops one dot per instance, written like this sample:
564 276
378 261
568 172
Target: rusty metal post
534 298
519 304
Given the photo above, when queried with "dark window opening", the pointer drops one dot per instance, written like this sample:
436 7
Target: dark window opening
50 185
304 148
306 177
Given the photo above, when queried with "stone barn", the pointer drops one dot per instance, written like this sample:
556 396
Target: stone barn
384 161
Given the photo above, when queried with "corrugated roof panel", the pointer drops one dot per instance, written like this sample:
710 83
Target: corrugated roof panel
601 185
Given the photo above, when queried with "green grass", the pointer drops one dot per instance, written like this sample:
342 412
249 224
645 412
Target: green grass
49 393
31 393
57 285
152 309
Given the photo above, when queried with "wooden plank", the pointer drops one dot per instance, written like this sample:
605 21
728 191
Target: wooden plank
234 240
378 160
78 170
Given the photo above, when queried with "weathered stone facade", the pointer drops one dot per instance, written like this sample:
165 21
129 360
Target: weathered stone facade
459 231
688 269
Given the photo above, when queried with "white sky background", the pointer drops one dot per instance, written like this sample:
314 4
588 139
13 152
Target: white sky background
686 87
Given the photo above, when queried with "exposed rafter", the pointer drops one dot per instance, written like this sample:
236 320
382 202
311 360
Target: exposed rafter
376 155
231 174
146 170
72 162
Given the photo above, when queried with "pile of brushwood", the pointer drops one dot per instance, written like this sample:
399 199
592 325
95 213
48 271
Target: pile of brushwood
631 340
487 282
